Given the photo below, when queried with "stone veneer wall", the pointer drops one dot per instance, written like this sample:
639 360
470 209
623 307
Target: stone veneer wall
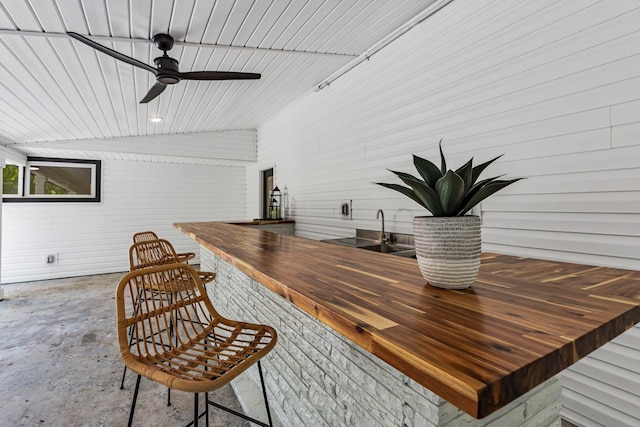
316 377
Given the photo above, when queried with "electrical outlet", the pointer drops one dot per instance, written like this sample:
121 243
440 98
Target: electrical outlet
345 209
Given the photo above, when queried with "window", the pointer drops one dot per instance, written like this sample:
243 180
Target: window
53 180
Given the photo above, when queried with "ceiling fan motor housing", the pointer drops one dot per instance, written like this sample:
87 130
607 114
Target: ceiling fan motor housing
167 70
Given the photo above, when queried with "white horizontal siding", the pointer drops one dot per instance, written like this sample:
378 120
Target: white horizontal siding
553 85
92 238
608 378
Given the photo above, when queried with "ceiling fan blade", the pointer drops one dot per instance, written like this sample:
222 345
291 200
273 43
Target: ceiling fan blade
218 75
155 90
115 54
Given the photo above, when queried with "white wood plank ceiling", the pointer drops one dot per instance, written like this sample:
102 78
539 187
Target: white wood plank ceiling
54 88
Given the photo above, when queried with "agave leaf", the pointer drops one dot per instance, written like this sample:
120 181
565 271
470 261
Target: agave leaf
426 194
404 175
485 192
450 188
427 170
478 186
466 173
404 190
443 162
478 169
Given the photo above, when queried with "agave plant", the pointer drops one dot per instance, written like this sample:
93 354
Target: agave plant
447 192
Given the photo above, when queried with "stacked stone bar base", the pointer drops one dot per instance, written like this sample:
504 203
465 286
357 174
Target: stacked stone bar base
316 377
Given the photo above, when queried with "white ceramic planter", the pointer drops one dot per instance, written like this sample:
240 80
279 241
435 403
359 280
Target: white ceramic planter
448 250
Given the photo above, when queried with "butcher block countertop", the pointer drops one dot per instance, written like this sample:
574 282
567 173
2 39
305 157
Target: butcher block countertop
522 322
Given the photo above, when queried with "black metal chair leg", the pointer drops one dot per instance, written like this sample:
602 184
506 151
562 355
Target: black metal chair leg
264 393
124 372
195 410
133 402
168 396
206 408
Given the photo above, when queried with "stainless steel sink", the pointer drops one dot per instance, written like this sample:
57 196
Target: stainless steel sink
351 241
398 245
398 250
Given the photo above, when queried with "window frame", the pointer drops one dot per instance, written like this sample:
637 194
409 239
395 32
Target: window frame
25 197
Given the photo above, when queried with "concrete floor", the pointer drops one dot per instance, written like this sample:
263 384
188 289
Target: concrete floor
60 365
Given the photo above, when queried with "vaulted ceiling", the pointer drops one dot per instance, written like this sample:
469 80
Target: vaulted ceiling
54 88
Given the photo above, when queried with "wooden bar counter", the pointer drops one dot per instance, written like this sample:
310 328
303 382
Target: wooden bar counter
522 322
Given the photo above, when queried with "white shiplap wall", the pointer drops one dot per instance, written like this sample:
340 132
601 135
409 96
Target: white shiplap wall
554 85
92 238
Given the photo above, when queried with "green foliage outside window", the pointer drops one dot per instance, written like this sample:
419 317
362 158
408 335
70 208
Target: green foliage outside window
10 179
49 187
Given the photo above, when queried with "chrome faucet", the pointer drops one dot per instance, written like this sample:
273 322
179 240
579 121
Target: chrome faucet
383 239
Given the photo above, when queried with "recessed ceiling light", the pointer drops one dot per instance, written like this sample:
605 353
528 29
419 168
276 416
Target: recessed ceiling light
156 119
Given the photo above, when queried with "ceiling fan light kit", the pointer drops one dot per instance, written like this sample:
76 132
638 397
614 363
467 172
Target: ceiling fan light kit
166 69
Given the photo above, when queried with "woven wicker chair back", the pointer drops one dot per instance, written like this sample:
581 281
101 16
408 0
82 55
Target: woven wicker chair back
144 235
150 253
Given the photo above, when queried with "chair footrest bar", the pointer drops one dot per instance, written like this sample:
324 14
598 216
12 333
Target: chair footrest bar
202 414
238 414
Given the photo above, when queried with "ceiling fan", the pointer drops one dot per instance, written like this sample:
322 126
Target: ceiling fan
166 70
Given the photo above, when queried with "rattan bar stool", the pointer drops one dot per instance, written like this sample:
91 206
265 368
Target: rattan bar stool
151 253
206 350
150 235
